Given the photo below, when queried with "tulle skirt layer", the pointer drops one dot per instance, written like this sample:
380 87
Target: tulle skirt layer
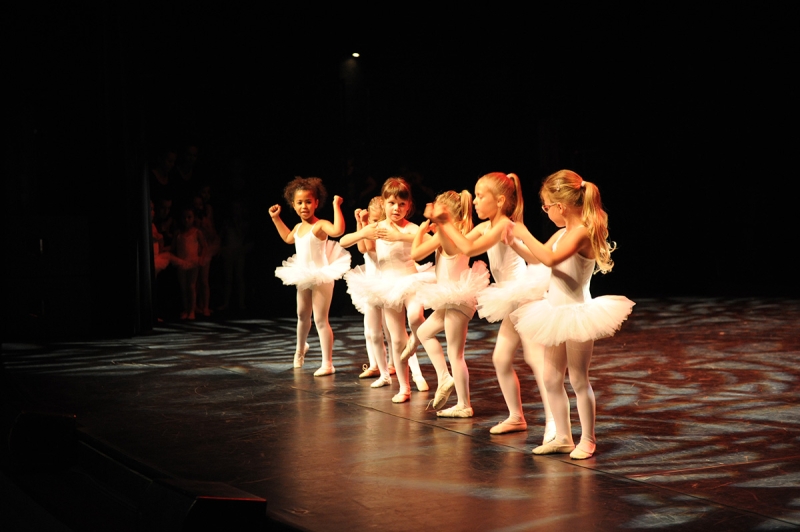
498 300
306 276
460 294
386 290
549 325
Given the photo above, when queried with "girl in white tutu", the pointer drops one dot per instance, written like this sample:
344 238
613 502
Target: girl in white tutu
452 299
366 289
498 200
398 280
568 320
316 265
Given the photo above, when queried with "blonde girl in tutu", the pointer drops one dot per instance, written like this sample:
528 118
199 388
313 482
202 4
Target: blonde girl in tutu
498 200
452 299
568 320
318 262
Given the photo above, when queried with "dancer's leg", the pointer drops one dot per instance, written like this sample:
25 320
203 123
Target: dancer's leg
455 330
304 311
555 365
373 331
579 357
534 356
396 326
321 296
385 338
416 317
503 358
367 334
555 368
427 335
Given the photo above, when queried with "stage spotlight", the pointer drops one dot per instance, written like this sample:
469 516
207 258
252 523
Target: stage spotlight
356 54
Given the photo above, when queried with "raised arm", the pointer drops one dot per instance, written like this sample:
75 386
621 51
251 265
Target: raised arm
423 244
286 233
387 231
365 235
574 241
335 229
481 242
518 246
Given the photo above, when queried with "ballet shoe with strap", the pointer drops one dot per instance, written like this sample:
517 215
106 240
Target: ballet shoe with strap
410 348
443 392
459 411
401 397
557 446
504 427
324 371
300 358
368 372
584 450
420 383
381 381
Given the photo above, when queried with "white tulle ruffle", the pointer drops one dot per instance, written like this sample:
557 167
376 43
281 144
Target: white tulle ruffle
304 276
386 290
547 324
456 293
498 300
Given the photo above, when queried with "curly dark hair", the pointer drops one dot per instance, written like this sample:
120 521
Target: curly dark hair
312 184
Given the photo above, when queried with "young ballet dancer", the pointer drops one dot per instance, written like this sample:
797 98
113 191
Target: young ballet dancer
162 257
397 281
318 262
366 226
498 200
452 299
190 245
569 320
204 220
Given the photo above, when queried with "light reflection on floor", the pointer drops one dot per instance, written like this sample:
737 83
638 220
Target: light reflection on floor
695 395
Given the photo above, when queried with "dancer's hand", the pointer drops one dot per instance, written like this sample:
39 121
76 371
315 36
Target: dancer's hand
426 225
337 201
428 213
440 214
370 231
274 211
388 234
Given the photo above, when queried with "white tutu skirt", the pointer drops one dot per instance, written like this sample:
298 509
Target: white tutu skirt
306 276
498 300
549 325
386 290
460 294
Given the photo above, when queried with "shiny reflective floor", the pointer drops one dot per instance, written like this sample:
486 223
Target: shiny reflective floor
697 408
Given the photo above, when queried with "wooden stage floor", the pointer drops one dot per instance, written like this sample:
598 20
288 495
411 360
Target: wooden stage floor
698 426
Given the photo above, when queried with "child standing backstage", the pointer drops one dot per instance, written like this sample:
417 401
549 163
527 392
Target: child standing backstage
191 246
318 262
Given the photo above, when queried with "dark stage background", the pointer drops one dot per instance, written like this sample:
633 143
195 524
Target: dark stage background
688 128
